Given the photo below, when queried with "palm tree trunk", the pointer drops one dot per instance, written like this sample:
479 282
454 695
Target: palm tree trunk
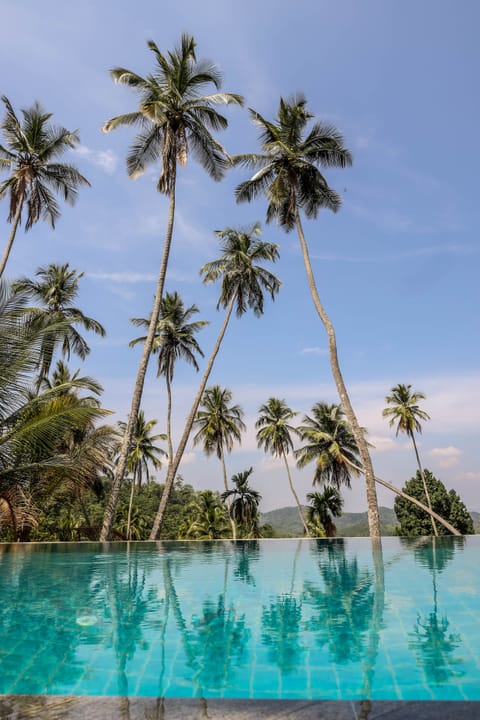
11 238
139 383
130 505
295 494
169 419
411 499
225 483
372 503
422 474
172 470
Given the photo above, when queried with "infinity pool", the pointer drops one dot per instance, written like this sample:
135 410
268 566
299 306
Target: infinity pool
303 619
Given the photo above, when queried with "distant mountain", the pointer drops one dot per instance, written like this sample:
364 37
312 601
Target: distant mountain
286 522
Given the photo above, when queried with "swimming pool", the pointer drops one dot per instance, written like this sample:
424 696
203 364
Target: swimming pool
291 619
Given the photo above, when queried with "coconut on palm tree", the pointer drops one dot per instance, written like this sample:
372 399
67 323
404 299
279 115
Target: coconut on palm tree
31 153
174 118
287 173
219 425
174 340
56 291
244 282
244 502
405 412
275 436
322 509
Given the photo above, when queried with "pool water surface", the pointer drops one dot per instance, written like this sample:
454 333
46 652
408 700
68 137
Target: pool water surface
342 619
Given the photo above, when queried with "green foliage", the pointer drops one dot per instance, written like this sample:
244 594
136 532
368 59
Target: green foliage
414 521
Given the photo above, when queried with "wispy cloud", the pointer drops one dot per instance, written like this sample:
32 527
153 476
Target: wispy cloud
446 457
106 160
382 443
122 277
314 351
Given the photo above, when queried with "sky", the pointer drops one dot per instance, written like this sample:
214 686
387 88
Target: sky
397 268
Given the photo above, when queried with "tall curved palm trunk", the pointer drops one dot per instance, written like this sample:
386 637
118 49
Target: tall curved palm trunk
425 486
11 238
173 467
372 503
140 380
294 493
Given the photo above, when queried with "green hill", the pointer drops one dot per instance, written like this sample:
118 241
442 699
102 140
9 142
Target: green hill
286 522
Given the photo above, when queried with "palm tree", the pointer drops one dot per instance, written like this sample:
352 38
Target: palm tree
208 519
174 340
38 433
244 504
219 426
31 152
288 174
173 117
244 282
56 291
323 508
406 412
143 452
275 436
331 444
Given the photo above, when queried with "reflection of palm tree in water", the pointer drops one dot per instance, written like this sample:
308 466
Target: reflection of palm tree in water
214 640
431 640
245 551
281 626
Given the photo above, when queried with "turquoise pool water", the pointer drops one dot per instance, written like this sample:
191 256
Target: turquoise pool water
327 619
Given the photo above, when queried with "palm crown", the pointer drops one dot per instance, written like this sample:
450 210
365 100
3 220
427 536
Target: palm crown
287 171
31 153
330 443
243 277
173 115
219 424
274 432
404 409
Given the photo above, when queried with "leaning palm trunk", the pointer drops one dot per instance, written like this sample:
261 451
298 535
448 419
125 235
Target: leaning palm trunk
372 503
292 488
142 370
11 238
173 467
228 503
422 474
411 499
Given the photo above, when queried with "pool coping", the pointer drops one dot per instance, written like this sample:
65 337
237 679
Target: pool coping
70 707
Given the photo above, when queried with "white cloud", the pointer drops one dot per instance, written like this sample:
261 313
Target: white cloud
106 160
468 476
122 277
446 457
314 351
188 458
382 443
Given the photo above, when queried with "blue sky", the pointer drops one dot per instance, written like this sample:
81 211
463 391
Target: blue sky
397 267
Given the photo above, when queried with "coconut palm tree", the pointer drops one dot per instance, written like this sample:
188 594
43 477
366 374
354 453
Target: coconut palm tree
330 443
244 282
143 452
275 436
323 508
406 413
37 451
56 292
287 174
208 519
244 504
174 340
31 153
173 118
219 426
